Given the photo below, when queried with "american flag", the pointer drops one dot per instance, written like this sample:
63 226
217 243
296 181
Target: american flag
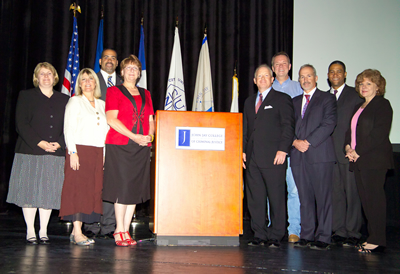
72 69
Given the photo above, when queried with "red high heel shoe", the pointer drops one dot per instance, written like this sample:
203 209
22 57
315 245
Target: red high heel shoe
121 242
129 240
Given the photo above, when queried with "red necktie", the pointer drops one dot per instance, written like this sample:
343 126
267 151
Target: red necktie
305 105
260 100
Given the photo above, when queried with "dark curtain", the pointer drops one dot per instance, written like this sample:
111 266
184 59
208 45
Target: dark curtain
248 32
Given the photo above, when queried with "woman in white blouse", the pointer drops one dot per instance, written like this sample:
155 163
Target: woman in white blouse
85 130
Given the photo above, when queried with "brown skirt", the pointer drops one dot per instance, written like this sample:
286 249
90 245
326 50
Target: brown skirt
127 174
82 189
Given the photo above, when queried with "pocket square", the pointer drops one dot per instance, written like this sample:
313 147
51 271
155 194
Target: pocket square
267 107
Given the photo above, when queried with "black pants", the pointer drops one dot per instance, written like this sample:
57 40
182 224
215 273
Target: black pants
314 184
346 204
260 185
370 184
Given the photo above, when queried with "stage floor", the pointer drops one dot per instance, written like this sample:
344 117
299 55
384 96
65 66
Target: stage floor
104 257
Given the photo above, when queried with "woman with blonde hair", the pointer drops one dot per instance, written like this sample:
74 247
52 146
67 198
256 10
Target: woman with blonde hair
85 130
37 174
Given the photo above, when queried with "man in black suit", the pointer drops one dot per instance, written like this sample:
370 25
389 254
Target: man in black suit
313 158
268 130
107 78
107 75
346 204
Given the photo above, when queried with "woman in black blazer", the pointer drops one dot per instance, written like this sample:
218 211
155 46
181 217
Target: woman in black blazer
370 153
37 173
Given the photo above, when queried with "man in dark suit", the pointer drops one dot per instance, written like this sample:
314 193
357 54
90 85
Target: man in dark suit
107 78
346 204
313 158
107 75
268 130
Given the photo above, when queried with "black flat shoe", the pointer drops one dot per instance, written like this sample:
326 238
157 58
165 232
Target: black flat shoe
378 249
318 245
302 243
31 241
44 241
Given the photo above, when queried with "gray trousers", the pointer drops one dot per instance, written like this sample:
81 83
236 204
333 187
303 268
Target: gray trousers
107 222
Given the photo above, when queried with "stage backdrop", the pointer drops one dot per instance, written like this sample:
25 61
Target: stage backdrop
248 32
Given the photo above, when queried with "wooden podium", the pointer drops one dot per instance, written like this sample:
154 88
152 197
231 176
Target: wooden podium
198 193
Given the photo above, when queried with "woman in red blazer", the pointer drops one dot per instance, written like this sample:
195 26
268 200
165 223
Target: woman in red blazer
370 152
129 112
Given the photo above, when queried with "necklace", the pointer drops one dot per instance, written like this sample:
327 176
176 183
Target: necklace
91 101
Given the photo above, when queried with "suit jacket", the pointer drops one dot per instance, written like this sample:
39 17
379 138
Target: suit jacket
268 131
103 84
316 127
372 135
348 99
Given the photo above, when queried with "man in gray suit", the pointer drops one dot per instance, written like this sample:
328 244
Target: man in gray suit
107 75
107 78
346 205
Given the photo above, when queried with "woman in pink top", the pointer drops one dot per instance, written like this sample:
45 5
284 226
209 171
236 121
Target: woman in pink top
370 153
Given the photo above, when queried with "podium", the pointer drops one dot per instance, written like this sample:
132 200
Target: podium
198 192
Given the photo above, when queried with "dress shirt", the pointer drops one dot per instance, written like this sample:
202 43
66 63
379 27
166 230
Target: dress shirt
264 94
291 88
106 75
339 91
85 124
311 93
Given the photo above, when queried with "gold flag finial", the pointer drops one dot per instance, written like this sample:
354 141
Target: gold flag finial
102 12
75 8
176 21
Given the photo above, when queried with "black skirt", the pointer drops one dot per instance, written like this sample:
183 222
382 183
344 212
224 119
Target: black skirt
127 174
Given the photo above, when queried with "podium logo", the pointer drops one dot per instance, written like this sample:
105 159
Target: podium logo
184 138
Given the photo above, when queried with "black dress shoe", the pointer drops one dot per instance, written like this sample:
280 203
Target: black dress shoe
31 241
256 241
351 242
302 243
90 234
318 245
44 241
273 243
338 240
106 236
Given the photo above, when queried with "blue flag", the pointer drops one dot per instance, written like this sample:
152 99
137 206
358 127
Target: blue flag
72 69
99 49
143 80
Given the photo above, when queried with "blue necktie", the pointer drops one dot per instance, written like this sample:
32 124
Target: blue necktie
109 82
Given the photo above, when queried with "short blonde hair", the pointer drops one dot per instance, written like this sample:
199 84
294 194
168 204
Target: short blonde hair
46 66
132 59
89 72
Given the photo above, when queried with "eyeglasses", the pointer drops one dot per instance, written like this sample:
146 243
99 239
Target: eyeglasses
132 68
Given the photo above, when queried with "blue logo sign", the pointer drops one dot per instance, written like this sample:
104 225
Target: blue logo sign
184 138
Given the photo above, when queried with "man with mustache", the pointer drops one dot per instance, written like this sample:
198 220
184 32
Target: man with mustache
107 78
107 75
312 159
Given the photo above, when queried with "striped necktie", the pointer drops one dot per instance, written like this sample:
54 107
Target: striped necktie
260 100
305 106
109 82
